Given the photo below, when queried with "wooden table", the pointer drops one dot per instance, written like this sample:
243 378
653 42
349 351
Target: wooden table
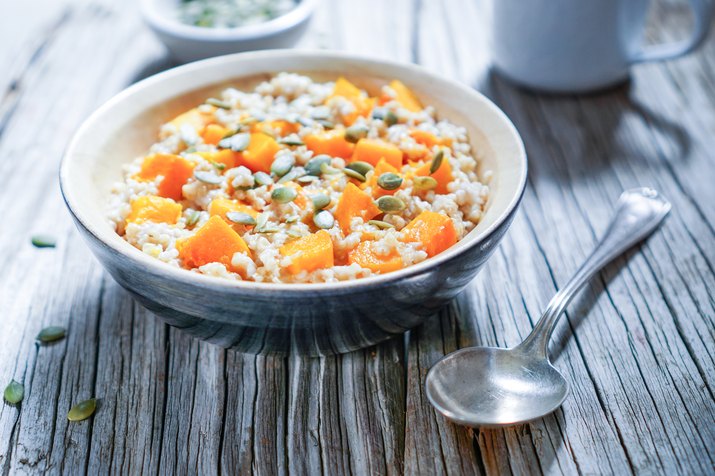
637 346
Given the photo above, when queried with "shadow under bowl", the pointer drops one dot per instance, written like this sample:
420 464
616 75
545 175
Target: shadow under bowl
255 317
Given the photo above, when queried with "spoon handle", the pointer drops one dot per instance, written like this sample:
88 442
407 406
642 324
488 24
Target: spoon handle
639 211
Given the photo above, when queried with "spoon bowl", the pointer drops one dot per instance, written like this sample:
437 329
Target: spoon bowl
495 387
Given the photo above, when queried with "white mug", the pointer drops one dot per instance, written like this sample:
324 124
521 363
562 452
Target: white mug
580 45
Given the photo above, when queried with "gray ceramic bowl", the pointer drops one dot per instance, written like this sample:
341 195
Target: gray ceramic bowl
264 317
191 43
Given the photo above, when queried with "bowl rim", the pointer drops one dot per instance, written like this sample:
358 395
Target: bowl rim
148 264
170 26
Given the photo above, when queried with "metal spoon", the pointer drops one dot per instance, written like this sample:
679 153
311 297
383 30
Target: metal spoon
490 386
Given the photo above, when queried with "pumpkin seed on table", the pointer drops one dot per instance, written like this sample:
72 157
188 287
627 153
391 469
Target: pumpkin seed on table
436 161
237 142
283 194
292 139
324 219
383 225
360 167
51 334
282 164
424 183
82 410
44 241
354 174
314 164
390 204
14 392
262 179
218 103
320 201
207 177
354 133
389 181
241 218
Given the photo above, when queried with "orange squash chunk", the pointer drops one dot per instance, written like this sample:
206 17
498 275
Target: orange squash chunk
175 170
405 97
213 133
443 175
382 167
332 143
215 242
227 157
434 231
372 150
311 252
282 127
428 139
259 155
363 105
194 118
354 203
153 208
366 257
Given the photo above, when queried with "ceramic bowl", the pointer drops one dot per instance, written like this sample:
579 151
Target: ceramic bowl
190 43
268 317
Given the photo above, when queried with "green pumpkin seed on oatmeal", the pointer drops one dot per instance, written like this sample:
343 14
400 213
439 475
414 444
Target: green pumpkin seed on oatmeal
301 181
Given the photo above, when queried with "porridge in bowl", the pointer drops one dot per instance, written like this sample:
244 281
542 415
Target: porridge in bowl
301 181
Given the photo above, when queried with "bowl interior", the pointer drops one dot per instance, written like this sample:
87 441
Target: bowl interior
127 125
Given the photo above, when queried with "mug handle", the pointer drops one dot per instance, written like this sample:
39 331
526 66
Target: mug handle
702 14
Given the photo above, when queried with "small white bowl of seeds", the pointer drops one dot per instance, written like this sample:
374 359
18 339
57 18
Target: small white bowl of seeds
197 29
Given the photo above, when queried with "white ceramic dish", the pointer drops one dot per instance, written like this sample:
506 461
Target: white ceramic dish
274 317
189 43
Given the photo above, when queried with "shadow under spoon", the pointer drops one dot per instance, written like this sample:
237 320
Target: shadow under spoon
491 386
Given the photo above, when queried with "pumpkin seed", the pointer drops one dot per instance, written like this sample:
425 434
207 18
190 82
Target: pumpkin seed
219 166
51 334
436 161
355 133
282 164
284 194
390 204
307 178
14 392
292 219
383 225
82 410
387 116
320 112
193 218
389 181
218 103
328 169
237 142
44 241
360 167
320 201
313 165
292 139
353 174
207 177
262 179
424 183
292 175
324 219
241 218
261 221
326 124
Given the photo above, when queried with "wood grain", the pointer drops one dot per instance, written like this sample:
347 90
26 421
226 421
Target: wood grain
636 346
